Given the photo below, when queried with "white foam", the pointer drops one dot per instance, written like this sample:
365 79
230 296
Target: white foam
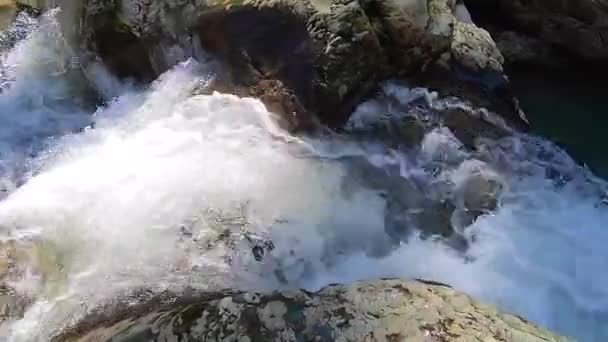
40 97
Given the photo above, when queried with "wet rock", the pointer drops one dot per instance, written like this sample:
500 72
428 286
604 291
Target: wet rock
521 49
572 27
384 310
408 211
402 29
480 193
394 126
124 54
402 202
435 219
468 127
410 131
489 90
402 116
410 208
14 26
280 100
417 34
435 42
305 59
12 303
12 306
475 49
477 191
320 58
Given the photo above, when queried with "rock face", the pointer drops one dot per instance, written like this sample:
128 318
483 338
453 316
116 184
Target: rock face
324 56
386 310
574 27
8 9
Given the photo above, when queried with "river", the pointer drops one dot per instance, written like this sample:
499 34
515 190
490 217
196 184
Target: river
167 187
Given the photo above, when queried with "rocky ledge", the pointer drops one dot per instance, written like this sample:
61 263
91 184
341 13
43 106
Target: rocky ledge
383 310
546 32
306 59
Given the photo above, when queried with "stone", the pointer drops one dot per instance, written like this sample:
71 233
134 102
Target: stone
418 33
520 49
576 28
382 310
469 128
480 194
410 131
475 49
320 58
309 61
15 24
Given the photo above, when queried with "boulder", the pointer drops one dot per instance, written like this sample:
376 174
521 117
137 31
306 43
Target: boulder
469 126
573 27
521 49
383 310
436 43
325 56
8 10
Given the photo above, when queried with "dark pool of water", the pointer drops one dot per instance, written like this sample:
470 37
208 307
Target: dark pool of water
569 109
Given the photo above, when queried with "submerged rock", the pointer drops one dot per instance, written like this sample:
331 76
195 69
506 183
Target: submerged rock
324 59
521 49
469 129
385 310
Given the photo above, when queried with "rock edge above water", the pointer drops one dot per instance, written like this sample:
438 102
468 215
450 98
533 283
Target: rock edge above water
383 310
306 59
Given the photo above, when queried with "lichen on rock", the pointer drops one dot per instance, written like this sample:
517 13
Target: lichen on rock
383 310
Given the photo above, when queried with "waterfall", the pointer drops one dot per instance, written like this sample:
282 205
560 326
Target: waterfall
169 187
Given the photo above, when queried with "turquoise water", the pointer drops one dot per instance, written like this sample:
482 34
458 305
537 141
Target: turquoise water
571 110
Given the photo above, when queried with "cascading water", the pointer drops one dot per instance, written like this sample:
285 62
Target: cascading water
165 189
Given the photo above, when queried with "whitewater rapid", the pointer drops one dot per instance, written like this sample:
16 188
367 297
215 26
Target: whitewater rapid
167 188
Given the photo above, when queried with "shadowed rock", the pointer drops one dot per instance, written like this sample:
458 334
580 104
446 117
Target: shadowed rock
554 30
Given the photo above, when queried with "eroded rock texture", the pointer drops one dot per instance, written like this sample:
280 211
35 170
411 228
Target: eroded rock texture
385 310
313 59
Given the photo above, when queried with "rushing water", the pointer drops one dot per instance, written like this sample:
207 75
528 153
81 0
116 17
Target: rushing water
163 188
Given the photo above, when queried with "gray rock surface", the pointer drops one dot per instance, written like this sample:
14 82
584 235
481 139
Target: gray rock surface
383 310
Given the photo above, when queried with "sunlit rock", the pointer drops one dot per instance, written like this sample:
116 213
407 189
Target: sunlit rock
385 310
327 55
